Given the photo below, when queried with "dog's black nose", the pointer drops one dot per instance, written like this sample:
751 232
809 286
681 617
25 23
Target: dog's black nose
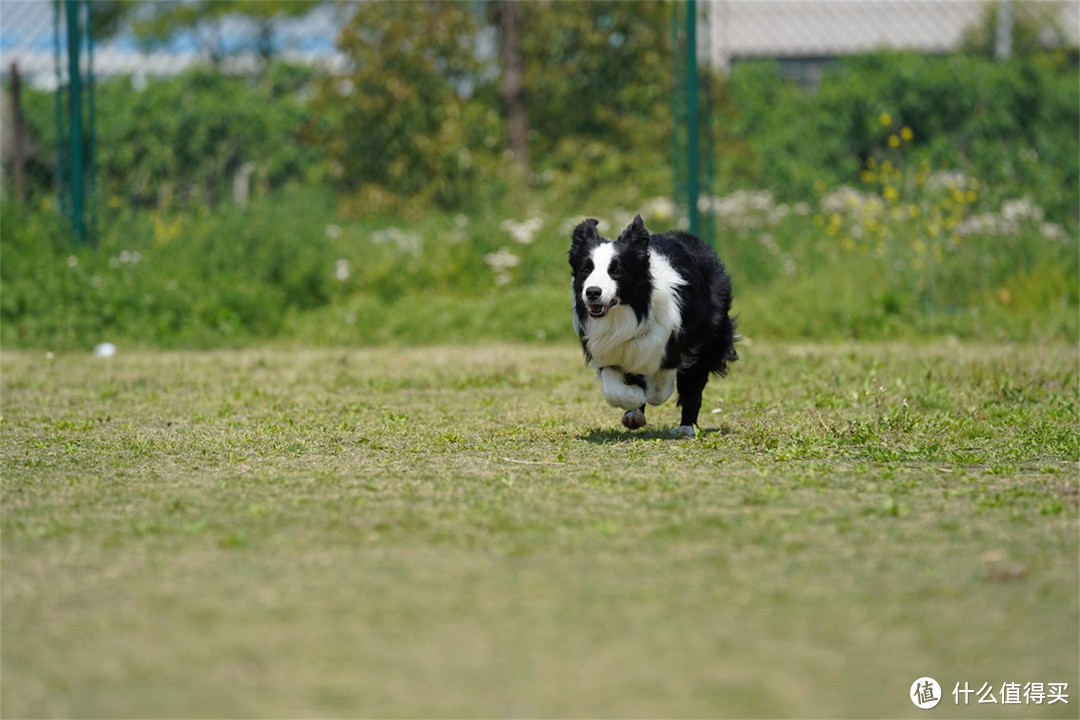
592 294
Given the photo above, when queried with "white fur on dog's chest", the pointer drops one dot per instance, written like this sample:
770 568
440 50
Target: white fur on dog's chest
619 340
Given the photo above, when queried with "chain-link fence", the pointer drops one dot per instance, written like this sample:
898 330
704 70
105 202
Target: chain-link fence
131 46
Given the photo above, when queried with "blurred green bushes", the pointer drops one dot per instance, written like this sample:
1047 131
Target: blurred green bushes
906 195
1013 125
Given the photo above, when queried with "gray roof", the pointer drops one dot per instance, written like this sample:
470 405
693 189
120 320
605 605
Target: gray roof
828 28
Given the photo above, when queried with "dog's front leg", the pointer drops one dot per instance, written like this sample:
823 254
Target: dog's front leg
626 391
659 387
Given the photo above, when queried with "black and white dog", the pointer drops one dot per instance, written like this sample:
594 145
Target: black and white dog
651 312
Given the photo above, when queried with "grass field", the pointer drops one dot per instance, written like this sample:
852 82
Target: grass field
469 532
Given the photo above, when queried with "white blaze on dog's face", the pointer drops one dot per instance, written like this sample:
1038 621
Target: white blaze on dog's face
600 289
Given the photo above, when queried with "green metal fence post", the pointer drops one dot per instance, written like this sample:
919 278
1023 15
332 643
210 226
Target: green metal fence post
692 184
61 180
75 129
91 127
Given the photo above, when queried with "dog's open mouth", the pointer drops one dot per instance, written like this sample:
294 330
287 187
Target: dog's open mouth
598 310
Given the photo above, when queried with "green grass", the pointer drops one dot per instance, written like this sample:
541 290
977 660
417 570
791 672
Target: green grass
468 532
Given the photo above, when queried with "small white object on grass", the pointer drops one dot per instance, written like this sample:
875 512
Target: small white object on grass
104 350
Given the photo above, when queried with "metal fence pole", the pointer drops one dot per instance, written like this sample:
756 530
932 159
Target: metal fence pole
1003 36
75 127
61 183
91 125
692 183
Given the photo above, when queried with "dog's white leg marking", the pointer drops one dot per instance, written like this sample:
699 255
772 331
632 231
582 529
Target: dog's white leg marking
686 431
618 393
660 387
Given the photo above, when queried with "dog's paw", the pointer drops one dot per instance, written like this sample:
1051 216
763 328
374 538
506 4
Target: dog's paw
633 419
686 431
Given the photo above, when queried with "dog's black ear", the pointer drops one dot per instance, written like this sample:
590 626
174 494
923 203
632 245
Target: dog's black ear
635 233
584 237
586 232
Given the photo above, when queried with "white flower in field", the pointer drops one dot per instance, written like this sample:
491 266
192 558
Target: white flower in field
789 267
126 257
500 263
1017 211
342 270
407 243
1052 231
661 208
461 221
333 232
523 232
984 224
502 259
72 261
947 180
745 209
769 243
104 350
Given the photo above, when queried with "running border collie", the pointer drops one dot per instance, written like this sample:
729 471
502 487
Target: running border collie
652 314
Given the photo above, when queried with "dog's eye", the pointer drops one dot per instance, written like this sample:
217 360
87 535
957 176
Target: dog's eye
587 266
615 270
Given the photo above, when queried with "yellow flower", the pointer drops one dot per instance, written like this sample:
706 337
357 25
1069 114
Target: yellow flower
885 119
891 193
867 176
894 141
913 211
819 185
971 196
114 201
906 134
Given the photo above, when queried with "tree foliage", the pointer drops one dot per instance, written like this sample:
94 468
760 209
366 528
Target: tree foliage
412 120
156 23
423 122
1036 29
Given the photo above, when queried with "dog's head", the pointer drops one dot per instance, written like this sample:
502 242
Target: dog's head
608 273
